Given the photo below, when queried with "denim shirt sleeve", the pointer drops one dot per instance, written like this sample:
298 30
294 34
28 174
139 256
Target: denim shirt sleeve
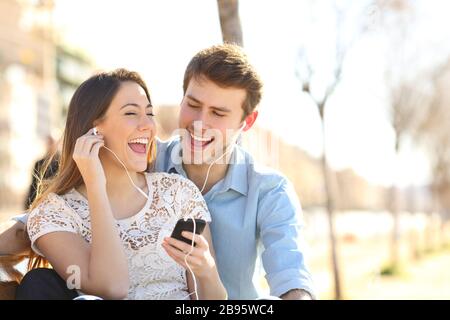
280 224
21 218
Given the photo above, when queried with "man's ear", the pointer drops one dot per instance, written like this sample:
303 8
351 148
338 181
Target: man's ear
250 120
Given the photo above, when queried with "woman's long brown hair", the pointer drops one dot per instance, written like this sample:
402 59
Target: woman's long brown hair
88 105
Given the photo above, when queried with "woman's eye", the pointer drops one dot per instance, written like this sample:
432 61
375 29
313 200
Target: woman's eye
150 114
192 106
130 113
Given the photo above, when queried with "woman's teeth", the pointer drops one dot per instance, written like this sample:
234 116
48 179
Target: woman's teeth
139 145
140 140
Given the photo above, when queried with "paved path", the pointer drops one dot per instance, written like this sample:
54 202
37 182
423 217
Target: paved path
427 278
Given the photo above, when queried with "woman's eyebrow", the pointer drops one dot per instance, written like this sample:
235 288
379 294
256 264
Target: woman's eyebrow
135 105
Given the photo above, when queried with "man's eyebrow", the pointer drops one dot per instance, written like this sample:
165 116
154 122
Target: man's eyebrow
222 109
135 105
192 98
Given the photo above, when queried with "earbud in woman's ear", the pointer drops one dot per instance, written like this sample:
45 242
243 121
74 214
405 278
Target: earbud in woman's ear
95 131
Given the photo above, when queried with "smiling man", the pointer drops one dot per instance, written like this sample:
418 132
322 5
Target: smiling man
250 205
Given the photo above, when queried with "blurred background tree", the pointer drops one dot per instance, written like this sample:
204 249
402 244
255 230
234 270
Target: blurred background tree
230 22
308 73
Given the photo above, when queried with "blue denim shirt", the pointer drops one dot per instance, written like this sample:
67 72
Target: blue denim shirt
250 207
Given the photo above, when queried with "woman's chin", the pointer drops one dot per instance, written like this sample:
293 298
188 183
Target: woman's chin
135 165
141 167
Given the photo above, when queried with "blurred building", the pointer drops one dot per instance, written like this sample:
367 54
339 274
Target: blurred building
36 79
350 191
72 68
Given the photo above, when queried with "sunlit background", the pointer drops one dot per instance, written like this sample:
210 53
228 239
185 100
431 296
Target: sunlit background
377 69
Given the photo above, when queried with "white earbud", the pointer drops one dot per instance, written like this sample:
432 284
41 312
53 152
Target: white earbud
95 132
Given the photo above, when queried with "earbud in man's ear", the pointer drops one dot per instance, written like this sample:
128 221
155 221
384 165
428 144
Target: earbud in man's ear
95 131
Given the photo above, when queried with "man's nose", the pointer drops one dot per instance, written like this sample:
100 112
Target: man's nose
201 117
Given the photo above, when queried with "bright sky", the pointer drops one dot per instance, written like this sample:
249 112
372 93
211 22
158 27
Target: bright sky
158 38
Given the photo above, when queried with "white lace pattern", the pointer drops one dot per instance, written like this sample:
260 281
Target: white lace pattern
153 274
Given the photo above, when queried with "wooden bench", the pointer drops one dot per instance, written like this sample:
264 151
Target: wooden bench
10 276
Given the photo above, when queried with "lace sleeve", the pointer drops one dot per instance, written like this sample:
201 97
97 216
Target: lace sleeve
192 202
52 215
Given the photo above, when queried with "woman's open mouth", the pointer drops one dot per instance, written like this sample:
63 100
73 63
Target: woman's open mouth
139 145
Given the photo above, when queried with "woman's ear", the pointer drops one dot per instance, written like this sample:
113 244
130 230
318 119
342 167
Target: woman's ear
96 126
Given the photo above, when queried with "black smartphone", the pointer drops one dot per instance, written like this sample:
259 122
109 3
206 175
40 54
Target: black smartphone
188 225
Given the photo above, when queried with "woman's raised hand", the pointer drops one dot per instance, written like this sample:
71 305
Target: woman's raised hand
86 156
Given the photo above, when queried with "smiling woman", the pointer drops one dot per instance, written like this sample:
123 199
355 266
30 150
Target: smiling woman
100 235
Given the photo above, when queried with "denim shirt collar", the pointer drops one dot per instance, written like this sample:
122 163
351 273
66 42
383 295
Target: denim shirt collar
176 167
236 177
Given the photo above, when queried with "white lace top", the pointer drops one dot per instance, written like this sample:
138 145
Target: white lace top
153 274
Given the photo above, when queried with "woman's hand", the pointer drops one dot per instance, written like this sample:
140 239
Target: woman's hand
86 156
200 260
202 263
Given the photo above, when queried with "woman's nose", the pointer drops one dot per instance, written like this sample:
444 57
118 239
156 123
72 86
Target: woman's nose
146 123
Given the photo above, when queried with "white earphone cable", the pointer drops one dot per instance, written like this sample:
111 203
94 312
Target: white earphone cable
191 217
95 132
189 267
128 174
228 149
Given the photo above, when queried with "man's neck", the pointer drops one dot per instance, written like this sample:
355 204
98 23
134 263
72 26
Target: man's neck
197 174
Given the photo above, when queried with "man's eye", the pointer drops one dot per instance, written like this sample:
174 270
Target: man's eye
130 113
218 114
192 106
150 114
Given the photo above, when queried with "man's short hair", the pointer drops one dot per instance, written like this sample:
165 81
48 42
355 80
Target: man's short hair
227 66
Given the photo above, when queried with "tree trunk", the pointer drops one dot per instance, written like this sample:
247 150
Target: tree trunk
330 212
394 208
429 215
395 237
230 23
